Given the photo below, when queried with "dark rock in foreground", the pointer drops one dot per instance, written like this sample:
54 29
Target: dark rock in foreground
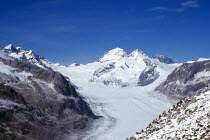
188 119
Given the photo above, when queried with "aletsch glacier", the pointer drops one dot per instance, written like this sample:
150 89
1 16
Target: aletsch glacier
120 87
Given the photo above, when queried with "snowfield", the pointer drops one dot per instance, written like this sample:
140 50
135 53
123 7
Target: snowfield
123 110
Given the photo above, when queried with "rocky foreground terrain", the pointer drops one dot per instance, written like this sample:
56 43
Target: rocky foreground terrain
188 119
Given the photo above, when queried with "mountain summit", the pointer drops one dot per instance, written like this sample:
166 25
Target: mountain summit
19 53
113 54
25 55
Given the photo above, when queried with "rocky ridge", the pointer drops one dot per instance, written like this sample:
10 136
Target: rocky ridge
37 101
188 79
188 119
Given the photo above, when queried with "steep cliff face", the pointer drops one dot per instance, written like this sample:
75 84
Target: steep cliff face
27 89
19 120
148 76
188 119
188 79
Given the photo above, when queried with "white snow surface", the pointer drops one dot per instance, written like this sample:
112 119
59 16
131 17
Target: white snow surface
203 59
199 60
120 108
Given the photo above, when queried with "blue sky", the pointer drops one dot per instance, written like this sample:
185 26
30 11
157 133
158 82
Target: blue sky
69 31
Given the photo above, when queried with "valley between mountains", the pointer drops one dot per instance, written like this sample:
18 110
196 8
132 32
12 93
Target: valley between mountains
109 99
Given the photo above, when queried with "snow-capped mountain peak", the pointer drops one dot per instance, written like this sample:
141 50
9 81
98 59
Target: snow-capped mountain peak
10 47
138 53
116 50
11 52
114 54
164 59
19 53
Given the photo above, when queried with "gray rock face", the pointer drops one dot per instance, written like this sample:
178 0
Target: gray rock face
148 76
103 70
107 68
47 92
164 59
19 120
188 79
148 62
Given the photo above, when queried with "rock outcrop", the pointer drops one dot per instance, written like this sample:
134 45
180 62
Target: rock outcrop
164 59
186 80
148 76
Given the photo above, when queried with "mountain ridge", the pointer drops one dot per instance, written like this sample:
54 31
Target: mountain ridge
36 101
